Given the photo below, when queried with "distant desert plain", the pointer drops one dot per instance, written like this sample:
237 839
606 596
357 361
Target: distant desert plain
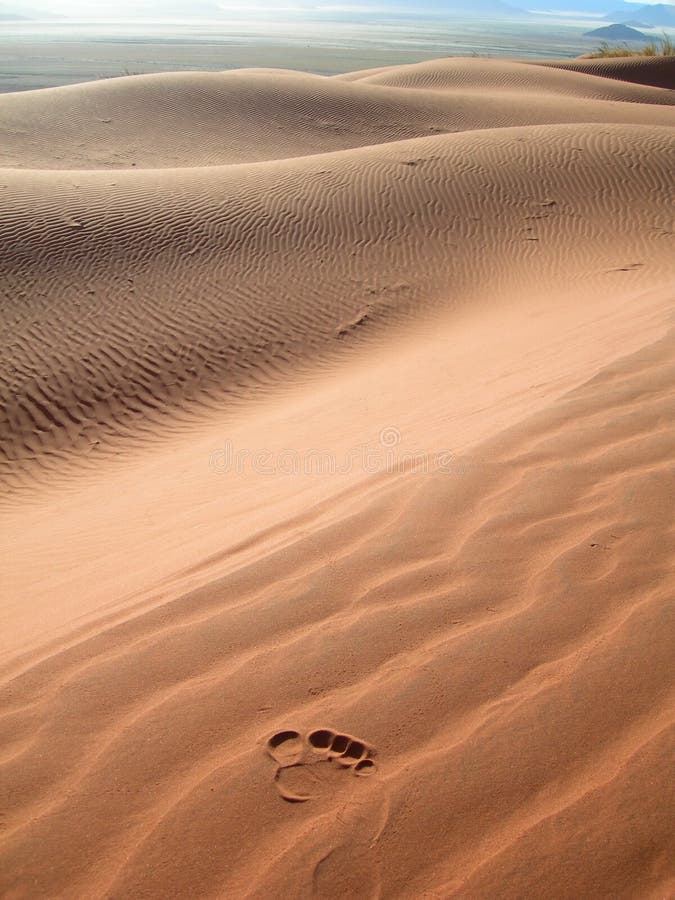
337 456
49 54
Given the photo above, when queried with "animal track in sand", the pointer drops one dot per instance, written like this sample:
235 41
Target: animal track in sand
310 766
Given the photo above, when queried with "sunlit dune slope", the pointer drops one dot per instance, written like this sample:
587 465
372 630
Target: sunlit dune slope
500 634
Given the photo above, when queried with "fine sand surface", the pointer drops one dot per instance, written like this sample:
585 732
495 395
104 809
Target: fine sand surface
338 470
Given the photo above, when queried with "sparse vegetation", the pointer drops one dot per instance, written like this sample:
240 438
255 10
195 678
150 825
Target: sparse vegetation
123 74
663 46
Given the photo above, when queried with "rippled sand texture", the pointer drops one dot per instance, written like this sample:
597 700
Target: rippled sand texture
436 661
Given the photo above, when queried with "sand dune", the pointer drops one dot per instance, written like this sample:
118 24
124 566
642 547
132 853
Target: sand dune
158 288
505 75
657 71
204 119
337 459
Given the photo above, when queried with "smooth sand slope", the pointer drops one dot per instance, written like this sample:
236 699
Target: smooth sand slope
337 463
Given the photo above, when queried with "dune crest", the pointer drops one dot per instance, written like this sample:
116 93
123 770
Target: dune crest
337 457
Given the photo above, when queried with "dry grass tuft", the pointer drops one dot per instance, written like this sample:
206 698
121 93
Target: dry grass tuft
663 46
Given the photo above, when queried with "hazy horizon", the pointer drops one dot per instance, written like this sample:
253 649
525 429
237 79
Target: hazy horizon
103 40
167 9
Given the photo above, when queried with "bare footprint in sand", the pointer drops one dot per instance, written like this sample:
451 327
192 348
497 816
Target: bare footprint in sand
286 747
311 766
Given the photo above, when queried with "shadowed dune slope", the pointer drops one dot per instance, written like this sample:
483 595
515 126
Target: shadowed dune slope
203 119
658 71
124 298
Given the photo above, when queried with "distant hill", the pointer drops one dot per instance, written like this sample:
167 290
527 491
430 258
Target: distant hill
651 15
617 33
